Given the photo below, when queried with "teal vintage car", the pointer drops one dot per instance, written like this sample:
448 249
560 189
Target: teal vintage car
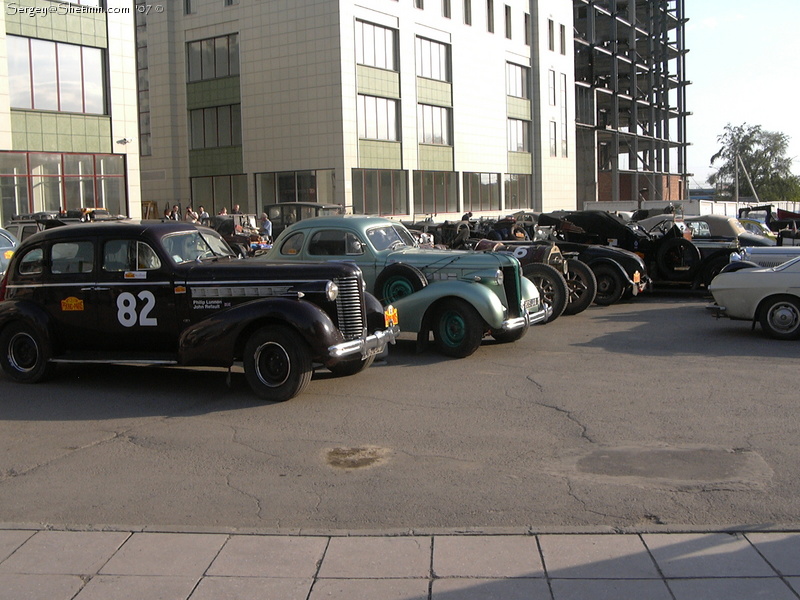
459 295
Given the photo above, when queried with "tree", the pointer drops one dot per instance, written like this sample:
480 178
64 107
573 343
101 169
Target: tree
763 154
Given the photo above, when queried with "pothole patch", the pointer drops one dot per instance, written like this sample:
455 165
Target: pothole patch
681 467
357 457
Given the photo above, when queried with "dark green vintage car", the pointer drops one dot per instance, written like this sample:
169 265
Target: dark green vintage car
459 295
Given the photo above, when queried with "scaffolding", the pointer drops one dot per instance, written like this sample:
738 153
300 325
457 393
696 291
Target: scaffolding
630 100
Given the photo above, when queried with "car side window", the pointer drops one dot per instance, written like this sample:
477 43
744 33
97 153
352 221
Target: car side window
700 229
31 262
293 244
334 242
129 255
72 257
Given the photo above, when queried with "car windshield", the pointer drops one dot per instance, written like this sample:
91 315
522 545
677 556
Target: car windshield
390 236
188 246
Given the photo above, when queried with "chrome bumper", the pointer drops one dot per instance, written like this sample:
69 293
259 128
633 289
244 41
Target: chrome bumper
529 318
366 346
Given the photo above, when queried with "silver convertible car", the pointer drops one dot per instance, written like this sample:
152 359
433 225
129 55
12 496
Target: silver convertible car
769 296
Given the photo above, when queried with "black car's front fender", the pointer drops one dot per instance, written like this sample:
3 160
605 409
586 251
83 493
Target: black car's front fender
220 338
30 314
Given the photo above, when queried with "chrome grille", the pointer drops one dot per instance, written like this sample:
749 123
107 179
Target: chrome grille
350 308
511 285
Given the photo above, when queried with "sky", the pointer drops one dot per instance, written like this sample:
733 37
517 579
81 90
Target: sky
744 65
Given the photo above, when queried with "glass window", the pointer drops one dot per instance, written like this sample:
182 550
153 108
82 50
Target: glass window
517 78
376 46
435 191
508 21
551 35
490 16
446 12
19 72
518 136
434 125
517 191
69 80
553 138
433 59
293 244
481 191
380 192
213 58
43 65
467 12
93 86
377 118
32 262
72 257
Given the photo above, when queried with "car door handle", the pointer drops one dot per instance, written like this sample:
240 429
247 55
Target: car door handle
100 289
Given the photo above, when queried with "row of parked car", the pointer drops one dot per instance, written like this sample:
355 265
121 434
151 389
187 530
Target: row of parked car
332 291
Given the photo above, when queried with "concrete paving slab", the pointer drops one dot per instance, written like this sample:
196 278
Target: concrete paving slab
175 554
270 556
782 550
370 589
64 552
252 588
392 557
11 540
137 587
490 589
597 557
706 555
39 587
486 556
610 589
731 588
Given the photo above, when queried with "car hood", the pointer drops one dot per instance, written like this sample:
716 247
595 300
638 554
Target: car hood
429 258
253 270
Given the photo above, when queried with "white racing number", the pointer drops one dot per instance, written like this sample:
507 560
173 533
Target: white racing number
127 314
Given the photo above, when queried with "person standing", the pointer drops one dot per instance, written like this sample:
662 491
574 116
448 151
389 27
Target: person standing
266 227
203 216
236 210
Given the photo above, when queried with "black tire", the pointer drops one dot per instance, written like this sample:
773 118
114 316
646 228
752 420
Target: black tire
397 281
551 284
678 259
25 354
711 270
610 285
582 285
457 328
277 363
351 367
780 317
507 337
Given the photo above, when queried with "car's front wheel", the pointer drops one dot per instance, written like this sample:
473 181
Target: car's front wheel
457 328
582 286
610 285
551 284
780 317
25 354
277 363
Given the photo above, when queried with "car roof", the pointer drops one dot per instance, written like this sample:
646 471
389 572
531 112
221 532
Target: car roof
6 236
350 221
126 227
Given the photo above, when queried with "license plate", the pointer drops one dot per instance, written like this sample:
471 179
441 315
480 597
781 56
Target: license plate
390 316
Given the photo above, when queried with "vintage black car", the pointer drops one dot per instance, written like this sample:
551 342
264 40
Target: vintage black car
174 294
668 256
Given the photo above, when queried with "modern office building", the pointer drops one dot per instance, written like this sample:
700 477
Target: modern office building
68 112
631 100
404 108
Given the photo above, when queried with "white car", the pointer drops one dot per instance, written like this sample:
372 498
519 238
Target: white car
770 296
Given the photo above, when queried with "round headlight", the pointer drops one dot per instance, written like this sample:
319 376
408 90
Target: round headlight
332 291
498 277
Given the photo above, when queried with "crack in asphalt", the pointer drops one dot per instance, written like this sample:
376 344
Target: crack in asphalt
13 473
568 413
